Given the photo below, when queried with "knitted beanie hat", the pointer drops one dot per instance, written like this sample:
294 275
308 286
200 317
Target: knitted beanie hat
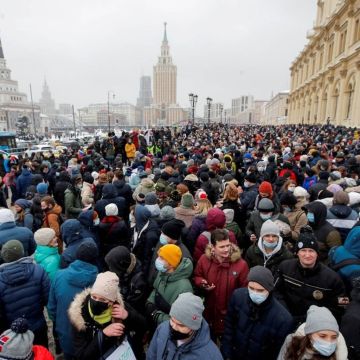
6 215
106 285
167 213
23 203
318 319
150 198
269 228
173 228
111 210
266 188
42 188
88 252
12 250
306 240
171 254
17 342
187 201
266 205
262 276
188 309
44 236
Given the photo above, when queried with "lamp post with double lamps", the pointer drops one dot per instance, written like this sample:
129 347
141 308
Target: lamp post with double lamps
108 107
209 101
193 100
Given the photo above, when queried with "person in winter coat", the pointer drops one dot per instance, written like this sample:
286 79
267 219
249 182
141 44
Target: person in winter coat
130 150
9 231
23 217
318 338
170 234
172 280
146 185
90 221
341 216
219 271
73 238
113 231
294 213
269 251
186 211
215 220
23 182
198 225
100 319
265 211
186 335
249 193
46 253
52 214
231 201
24 291
306 281
68 282
350 322
61 185
17 343
266 192
72 199
87 191
326 235
123 189
134 287
345 259
256 324
145 237
110 196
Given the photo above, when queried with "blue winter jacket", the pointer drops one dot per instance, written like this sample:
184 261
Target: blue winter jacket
23 182
343 218
349 251
87 225
200 347
67 283
253 331
71 233
24 291
9 231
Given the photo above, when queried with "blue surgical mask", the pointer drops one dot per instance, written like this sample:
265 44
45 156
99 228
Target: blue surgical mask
256 297
270 245
324 348
265 216
163 239
311 217
160 266
287 209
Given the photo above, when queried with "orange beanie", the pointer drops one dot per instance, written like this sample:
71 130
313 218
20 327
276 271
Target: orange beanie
171 253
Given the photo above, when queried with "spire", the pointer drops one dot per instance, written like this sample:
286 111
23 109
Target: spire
165 40
1 51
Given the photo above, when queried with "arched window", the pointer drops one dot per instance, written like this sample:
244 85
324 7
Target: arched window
350 97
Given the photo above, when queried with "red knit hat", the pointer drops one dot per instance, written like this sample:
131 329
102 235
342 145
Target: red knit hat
266 188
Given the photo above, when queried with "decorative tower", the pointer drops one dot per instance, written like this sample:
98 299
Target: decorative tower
165 73
47 104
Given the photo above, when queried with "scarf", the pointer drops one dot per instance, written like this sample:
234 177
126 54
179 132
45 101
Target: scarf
103 318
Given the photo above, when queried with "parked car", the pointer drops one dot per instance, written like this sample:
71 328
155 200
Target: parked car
38 148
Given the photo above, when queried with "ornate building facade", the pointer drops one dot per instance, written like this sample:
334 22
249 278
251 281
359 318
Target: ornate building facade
325 77
164 110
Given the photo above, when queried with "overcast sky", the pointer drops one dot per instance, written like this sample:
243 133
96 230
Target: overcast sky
222 48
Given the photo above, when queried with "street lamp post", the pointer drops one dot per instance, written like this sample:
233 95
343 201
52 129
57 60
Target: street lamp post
208 101
108 107
221 108
193 100
225 117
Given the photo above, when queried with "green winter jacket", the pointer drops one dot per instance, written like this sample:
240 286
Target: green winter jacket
170 286
48 258
72 204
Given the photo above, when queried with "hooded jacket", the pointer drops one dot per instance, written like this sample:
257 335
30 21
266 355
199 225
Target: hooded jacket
9 231
343 218
66 284
110 196
185 214
326 235
124 190
73 238
24 291
23 182
59 191
88 229
199 347
170 286
72 202
215 219
48 258
226 276
255 332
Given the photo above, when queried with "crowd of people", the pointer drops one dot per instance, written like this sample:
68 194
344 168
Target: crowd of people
210 242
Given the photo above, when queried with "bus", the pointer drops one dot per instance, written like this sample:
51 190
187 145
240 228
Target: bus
7 140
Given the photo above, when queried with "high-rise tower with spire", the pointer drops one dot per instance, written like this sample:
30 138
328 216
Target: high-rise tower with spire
165 73
47 104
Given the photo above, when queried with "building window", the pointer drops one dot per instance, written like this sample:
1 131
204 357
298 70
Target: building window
350 101
357 30
321 59
342 42
286 112
330 49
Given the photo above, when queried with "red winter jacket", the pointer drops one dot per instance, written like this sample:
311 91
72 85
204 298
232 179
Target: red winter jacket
226 276
215 219
41 353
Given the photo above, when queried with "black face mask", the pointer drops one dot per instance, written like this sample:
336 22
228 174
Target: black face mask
97 307
177 335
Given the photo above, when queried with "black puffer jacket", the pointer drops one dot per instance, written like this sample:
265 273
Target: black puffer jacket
59 191
124 190
297 288
110 196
